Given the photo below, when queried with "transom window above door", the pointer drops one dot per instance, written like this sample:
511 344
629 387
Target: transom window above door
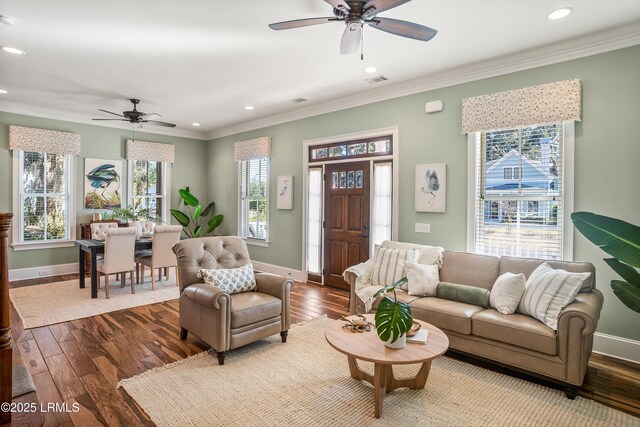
352 149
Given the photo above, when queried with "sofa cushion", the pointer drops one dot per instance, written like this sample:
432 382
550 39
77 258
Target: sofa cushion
451 315
389 264
252 307
463 293
469 269
423 279
516 329
429 255
528 265
507 292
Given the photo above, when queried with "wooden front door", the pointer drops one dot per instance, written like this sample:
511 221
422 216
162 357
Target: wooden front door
346 219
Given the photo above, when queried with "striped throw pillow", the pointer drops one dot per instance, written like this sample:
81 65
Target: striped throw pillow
548 292
389 264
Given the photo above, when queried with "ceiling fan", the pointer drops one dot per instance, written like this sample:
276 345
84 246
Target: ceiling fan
138 117
356 13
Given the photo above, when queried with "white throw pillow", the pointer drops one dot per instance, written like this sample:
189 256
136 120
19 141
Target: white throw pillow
231 280
423 279
507 292
549 291
389 264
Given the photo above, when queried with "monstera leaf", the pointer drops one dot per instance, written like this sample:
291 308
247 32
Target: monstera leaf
393 318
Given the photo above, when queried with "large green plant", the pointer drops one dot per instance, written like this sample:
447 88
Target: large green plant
622 241
393 318
192 222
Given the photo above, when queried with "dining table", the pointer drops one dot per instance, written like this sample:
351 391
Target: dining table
93 248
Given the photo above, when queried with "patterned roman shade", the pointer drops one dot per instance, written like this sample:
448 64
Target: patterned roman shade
253 149
43 141
553 102
150 151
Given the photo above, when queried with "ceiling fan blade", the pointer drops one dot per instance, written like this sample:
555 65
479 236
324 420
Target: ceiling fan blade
123 120
157 123
150 116
382 5
110 112
351 40
403 28
339 4
297 23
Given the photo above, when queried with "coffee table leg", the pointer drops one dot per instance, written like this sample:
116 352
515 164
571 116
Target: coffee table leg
380 373
420 380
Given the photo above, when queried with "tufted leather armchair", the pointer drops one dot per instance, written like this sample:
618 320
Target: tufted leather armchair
221 320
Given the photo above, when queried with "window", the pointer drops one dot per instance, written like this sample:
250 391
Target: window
253 212
148 187
314 221
382 203
352 149
43 199
519 191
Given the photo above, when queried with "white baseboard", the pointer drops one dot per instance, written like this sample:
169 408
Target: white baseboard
282 271
44 271
622 348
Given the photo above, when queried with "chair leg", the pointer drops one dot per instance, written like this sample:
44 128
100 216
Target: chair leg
133 289
166 273
177 276
284 335
123 278
153 280
137 272
183 334
142 272
221 355
106 284
159 275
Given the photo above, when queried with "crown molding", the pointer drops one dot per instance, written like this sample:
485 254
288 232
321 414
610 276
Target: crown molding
48 113
566 50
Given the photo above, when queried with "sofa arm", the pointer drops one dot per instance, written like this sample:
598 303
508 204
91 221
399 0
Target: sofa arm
279 287
207 295
586 306
359 275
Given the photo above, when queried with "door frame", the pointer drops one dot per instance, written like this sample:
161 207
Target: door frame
306 144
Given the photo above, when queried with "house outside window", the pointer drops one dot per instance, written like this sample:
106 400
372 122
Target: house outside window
519 192
148 184
43 200
254 199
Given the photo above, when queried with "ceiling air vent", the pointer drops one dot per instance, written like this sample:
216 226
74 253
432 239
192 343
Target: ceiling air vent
298 100
376 79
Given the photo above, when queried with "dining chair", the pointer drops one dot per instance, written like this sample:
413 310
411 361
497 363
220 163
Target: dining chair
162 256
119 248
99 229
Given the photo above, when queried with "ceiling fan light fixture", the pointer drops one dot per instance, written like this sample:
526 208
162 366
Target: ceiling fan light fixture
248 107
13 50
563 12
370 70
195 124
3 91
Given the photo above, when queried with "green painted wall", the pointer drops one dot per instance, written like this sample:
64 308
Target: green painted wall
97 142
606 173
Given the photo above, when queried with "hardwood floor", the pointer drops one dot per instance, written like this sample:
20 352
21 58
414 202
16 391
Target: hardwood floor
80 362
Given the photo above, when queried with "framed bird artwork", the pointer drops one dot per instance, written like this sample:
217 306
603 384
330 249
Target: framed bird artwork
431 187
285 192
102 184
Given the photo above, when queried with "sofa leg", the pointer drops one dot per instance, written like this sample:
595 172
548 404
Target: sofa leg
283 335
183 334
221 355
571 392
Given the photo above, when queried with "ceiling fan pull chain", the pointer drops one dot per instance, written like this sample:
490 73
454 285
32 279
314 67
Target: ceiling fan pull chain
362 44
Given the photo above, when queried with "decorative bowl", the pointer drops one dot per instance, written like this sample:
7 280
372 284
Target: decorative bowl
414 329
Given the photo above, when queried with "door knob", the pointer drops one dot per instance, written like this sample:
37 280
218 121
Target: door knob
365 235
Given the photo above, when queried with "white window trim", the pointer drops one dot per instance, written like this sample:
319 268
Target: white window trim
16 244
251 240
306 144
568 174
166 189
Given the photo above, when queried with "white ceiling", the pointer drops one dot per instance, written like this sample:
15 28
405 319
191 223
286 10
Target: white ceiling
203 60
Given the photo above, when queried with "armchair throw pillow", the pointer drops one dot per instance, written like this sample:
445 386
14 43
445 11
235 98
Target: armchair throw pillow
231 280
507 291
389 264
548 292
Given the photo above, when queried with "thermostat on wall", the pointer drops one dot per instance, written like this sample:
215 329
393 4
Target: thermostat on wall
433 106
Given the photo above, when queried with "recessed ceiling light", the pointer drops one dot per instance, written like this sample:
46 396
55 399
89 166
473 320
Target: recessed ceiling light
8 20
13 50
560 13
2 91
370 70
248 107
195 124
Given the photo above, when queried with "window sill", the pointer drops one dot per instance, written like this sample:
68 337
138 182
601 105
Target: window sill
256 242
43 245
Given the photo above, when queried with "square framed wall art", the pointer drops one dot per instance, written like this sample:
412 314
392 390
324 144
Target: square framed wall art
102 183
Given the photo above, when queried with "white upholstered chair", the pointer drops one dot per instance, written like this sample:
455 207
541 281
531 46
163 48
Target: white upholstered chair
162 256
99 229
119 248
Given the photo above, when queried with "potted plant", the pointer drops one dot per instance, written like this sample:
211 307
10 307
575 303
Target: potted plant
192 222
393 318
621 240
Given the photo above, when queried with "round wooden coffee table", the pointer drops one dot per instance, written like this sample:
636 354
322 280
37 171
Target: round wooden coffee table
369 347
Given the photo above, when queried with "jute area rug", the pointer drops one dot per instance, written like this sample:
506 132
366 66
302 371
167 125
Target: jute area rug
306 383
58 302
